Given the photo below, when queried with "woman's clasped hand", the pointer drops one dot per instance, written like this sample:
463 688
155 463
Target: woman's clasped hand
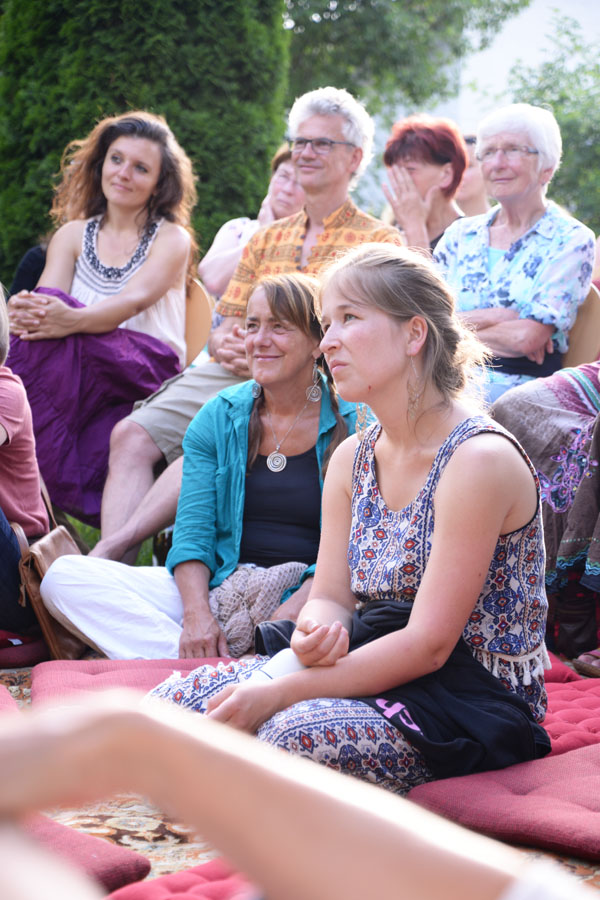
316 644
36 316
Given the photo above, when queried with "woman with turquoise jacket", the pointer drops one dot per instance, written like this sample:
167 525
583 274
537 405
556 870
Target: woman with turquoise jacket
247 527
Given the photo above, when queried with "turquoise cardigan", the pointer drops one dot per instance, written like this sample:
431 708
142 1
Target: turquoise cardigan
208 527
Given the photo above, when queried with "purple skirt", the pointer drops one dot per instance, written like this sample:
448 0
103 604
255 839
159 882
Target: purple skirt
79 387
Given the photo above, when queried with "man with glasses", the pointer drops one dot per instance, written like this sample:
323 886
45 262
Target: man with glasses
331 135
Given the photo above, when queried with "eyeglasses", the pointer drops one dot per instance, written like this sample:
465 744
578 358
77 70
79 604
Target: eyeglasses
512 154
322 146
469 139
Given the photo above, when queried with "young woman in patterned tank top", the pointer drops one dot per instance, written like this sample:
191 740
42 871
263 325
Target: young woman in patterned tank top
432 529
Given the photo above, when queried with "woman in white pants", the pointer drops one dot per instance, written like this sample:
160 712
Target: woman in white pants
248 519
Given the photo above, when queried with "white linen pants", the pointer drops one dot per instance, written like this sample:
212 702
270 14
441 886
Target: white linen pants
127 612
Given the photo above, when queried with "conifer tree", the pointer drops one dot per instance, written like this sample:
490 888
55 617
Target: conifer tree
216 69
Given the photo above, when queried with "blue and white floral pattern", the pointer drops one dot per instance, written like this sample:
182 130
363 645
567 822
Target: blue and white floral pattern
346 735
545 275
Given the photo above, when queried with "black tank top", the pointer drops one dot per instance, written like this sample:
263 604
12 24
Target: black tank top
282 512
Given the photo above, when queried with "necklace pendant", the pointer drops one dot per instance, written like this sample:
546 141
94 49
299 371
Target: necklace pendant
276 461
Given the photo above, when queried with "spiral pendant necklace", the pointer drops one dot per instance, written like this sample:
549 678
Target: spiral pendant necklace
277 461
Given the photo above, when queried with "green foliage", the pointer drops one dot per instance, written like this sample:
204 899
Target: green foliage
216 69
388 51
91 536
568 83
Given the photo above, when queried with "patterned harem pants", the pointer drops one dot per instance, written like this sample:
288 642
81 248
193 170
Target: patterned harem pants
346 735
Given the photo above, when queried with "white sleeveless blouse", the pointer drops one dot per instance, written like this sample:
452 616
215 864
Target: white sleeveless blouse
93 281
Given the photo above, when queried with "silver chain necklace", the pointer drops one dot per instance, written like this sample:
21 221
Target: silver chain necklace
277 461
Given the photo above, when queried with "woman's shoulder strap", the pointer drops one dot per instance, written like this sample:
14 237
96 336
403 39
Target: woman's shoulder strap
476 425
365 449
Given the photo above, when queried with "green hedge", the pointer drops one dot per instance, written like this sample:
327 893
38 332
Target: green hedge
216 70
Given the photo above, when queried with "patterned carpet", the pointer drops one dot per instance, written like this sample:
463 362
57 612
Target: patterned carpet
170 846
129 821
126 819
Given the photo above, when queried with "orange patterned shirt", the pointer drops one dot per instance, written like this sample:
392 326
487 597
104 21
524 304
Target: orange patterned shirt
278 248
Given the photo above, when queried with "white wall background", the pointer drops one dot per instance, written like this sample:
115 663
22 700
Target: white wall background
524 37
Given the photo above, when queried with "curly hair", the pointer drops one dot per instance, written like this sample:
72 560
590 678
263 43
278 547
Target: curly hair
79 193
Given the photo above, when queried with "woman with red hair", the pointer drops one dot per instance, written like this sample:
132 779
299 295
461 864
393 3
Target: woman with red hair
425 158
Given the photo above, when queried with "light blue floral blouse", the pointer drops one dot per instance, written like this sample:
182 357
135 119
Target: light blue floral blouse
545 275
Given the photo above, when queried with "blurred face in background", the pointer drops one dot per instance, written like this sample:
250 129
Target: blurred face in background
286 194
472 185
426 175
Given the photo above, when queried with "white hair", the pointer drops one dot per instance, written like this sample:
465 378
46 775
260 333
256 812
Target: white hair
537 124
358 127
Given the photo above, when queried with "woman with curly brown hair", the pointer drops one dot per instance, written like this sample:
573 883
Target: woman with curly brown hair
105 325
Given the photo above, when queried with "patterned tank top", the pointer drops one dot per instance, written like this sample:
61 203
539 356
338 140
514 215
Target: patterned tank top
389 549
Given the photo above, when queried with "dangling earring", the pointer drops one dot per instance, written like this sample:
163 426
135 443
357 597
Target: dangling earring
256 390
414 392
362 420
313 393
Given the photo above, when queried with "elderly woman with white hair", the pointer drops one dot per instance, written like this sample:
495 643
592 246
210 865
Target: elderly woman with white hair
520 271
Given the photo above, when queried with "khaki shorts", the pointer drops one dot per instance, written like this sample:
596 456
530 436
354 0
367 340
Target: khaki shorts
166 414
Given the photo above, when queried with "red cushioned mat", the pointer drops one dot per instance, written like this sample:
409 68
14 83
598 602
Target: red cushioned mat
54 679
214 880
559 671
573 718
553 802
27 651
108 864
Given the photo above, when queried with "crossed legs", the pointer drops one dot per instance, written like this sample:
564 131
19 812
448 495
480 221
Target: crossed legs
152 434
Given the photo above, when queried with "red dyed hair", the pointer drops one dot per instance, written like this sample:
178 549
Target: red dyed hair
430 140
